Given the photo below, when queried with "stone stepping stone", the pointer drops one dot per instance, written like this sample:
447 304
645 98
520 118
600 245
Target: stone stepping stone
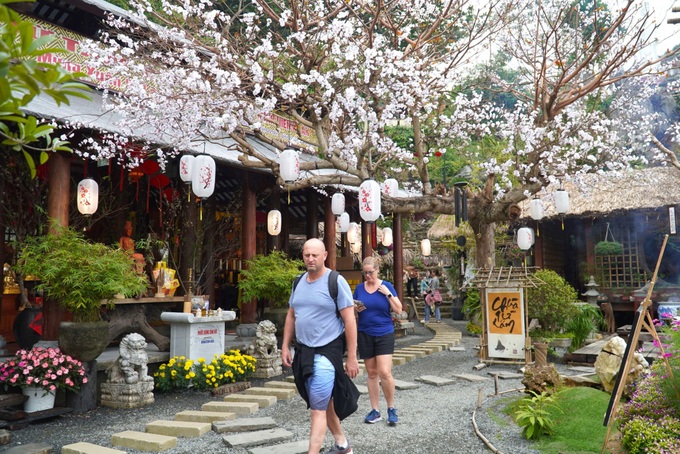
178 428
471 377
362 389
279 393
240 408
204 416
506 375
406 355
457 348
416 353
244 425
404 385
85 448
435 381
143 441
280 384
581 370
398 360
294 447
262 401
256 438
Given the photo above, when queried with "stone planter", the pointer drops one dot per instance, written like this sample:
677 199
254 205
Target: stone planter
560 342
84 341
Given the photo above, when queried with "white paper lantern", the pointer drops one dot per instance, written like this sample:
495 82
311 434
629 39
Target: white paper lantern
203 179
390 187
536 209
369 200
338 203
425 247
355 248
274 222
561 201
289 165
186 166
88 196
343 223
387 238
353 233
525 238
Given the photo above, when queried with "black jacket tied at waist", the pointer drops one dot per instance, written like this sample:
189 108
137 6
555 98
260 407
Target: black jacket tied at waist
345 394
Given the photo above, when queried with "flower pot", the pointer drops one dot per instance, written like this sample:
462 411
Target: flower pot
560 342
84 341
38 399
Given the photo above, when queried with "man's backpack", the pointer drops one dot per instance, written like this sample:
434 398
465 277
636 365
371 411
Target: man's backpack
332 287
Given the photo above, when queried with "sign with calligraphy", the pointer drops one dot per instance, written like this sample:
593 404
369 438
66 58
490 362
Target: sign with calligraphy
505 323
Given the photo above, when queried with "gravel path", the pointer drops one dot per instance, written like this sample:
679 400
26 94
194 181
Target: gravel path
432 419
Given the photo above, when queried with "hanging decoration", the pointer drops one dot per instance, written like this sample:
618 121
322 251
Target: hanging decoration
425 247
338 203
387 238
88 196
390 187
525 238
354 233
562 203
289 165
203 178
186 166
343 223
355 247
536 212
274 222
369 200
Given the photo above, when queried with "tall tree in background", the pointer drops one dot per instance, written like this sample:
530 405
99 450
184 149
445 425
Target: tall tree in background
348 69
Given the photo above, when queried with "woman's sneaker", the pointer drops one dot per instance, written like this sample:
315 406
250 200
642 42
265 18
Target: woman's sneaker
392 418
338 450
373 417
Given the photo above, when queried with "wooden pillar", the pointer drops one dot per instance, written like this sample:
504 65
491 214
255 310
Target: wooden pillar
58 198
248 241
209 232
59 192
189 267
398 251
329 234
312 214
366 239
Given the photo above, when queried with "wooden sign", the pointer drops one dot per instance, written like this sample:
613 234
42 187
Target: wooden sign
505 323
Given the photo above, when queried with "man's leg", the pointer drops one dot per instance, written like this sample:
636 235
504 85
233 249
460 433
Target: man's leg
318 431
319 388
333 423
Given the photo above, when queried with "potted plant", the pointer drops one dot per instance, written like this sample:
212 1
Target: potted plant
79 276
39 372
270 278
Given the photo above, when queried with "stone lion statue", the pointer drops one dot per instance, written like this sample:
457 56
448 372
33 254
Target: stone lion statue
265 344
131 365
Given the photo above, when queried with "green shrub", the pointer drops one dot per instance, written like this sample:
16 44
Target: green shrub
270 278
608 248
472 305
551 303
643 433
533 416
587 320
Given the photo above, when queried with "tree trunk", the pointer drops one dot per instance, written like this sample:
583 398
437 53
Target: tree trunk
486 244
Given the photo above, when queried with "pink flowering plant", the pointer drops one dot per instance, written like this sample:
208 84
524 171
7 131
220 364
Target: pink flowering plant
46 368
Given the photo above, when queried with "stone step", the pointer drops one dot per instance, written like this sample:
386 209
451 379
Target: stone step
258 437
262 401
406 355
204 416
416 353
435 381
244 425
143 441
178 428
294 447
279 393
290 379
398 360
280 385
240 408
88 448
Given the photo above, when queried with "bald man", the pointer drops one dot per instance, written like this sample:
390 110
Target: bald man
322 330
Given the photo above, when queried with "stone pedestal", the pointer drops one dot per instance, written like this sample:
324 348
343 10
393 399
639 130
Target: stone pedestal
196 337
267 367
123 395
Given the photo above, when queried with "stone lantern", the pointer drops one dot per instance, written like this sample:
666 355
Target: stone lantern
592 294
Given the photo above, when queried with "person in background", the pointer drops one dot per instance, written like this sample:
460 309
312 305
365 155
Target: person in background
412 283
376 338
434 298
424 291
322 327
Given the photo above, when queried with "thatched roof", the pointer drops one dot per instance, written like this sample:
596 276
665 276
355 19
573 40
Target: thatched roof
595 195
445 227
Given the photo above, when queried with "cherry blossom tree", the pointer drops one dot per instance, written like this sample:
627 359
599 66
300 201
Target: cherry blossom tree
346 70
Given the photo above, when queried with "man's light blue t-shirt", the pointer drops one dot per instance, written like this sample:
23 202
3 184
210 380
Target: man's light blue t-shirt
316 319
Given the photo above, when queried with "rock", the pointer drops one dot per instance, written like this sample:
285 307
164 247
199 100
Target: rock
539 379
608 364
